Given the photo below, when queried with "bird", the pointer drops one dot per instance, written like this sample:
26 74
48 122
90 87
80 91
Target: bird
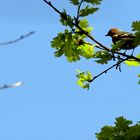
126 39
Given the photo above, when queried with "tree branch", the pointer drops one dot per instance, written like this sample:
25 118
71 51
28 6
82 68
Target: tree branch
84 32
76 25
50 4
91 37
18 39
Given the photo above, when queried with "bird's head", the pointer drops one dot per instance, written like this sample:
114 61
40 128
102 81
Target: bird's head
113 31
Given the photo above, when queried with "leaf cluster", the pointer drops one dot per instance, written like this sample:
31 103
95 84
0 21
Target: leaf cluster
72 44
84 79
94 2
66 20
136 29
90 8
132 62
122 130
103 57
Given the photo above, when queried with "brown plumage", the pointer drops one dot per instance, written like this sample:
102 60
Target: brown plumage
127 39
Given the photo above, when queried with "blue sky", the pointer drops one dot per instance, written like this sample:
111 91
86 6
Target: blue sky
50 106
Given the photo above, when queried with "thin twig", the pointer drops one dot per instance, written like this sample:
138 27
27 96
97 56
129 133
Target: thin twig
105 71
78 11
50 4
130 56
18 39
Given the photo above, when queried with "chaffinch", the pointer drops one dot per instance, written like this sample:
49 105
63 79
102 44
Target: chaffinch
126 39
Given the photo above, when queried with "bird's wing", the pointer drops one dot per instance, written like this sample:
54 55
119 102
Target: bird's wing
126 35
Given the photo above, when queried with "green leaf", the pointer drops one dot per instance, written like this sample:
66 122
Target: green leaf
132 62
122 124
133 133
84 79
66 20
87 11
57 41
87 50
65 44
106 133
85 26
83 23
103 57
136 26
123 130
94 2
72 46
139 80
74 2
137 39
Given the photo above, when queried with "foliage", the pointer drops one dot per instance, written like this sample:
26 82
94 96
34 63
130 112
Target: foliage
87 10
123 130
73 42
66 20
139 78
74 2
132 62
136 28
94 2
103 57
84 79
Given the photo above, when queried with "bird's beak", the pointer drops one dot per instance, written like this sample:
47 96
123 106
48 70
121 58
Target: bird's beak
107 35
